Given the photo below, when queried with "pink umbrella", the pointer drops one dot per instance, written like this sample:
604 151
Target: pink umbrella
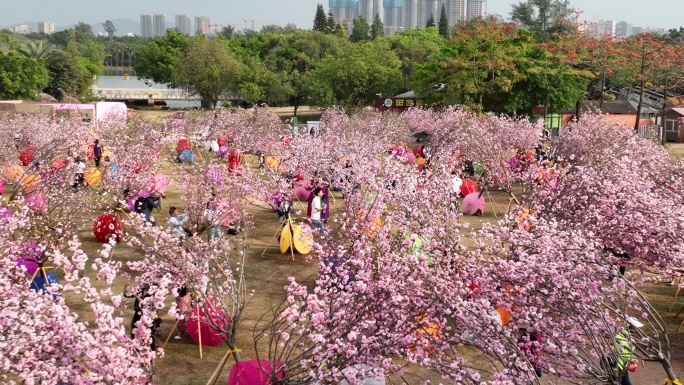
36 202
473 204
2 187
29 260
159 183
409 157
229 215
301 193
255 372
223 151
210 337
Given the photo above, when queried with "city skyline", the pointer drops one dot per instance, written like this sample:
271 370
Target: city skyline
236 13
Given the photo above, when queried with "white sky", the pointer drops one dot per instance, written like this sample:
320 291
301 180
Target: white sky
654 13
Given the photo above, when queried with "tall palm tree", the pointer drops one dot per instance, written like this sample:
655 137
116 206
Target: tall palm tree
38 49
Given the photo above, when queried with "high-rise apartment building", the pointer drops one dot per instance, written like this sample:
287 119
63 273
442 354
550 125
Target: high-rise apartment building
476 9
345 11
410 14
146 25
184 24
159 24
46 27
202 25
22 29
393 19
427 8
368 9
457 12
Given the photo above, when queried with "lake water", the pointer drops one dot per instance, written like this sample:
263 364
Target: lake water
134 83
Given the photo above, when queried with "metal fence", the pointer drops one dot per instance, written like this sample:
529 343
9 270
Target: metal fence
654 133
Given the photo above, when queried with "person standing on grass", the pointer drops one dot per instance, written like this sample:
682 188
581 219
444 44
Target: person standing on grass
79 170
177 221
212 215
97 153
317 208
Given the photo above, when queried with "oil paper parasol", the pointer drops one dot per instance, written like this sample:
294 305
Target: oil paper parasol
222 151
107 226
32 255
222 141
13 172
182 145
26 157
159 183
408 158
469 186
210 337
90 154
473 204
255 372
36 202
186 156
302 239
302 193
39 282
92 176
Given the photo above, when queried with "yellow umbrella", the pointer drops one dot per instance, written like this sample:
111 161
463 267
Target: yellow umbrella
272 162
302 242
13 172
30 183
92 176
285 239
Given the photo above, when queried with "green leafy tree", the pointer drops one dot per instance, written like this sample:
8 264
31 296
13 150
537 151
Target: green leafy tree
320 22
83 29
21 77
545 17
109 28
331 24
355 75
377 29
443 22
430 22
37 49
414 47
257 84
228 32
295 56
476 66
209 69
361 31
67 75
158 59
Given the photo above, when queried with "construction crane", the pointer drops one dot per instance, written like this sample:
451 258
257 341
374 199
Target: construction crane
256 21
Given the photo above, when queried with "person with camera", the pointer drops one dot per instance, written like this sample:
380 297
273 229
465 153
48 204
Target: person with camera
146 205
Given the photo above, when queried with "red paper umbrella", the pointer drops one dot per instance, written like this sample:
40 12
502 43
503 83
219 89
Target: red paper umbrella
473 204
234 156
222 141
418 150
210 337
469 186
107 226
91 152
59 163
183 144
26 157
255 372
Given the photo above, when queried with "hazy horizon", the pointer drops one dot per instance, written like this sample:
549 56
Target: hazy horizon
660 13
